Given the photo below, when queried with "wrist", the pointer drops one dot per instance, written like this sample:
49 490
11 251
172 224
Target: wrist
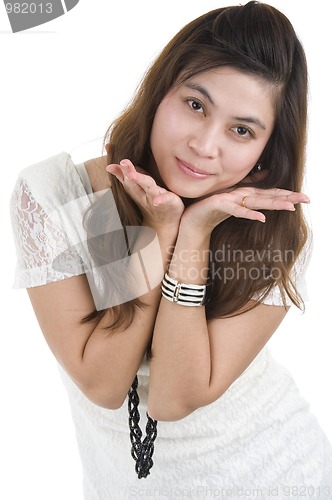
165 231
191 230
185 294
190 259
193 236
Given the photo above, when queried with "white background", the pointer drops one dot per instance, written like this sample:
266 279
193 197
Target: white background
61 86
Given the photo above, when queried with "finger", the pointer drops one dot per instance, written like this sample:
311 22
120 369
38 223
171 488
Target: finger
144 181
164 198
297 198
247 213
122 170
133 167
232 208
127 163
115 170
266 203
282 202
284 194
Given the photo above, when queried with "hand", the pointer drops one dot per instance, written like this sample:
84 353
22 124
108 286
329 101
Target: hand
160 208
241 202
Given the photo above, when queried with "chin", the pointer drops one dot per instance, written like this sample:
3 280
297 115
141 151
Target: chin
185 191
186 195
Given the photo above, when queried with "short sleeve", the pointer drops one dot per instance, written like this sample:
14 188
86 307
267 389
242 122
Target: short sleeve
39 241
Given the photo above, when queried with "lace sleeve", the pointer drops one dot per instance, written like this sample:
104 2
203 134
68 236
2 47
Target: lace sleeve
39 242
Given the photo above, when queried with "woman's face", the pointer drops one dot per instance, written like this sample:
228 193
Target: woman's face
209 132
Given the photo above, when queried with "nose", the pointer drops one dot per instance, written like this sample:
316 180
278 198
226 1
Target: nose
206 143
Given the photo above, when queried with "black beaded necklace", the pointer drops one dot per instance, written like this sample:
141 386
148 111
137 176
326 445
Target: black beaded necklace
141 451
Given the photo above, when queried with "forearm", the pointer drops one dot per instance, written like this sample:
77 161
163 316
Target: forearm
180 367
111 359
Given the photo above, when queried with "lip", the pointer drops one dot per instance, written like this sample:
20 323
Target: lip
191 170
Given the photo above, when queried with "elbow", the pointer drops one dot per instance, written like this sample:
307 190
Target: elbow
108 403
168 415
110 399
109 394
170 411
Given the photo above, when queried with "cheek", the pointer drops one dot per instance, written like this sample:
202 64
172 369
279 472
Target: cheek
167 123
243 159
239 161
157 130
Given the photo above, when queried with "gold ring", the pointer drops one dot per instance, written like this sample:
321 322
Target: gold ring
244 201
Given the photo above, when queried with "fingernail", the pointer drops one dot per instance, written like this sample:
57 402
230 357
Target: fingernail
124 163
305 198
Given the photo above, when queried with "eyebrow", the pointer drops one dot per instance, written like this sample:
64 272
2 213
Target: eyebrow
204 92
199 88
249 119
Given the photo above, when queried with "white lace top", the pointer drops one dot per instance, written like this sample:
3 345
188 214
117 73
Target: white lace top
40 234
258 436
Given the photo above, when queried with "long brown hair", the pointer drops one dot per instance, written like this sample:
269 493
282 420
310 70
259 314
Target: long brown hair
246 258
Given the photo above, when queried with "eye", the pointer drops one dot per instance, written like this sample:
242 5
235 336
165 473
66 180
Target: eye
195 105
243 131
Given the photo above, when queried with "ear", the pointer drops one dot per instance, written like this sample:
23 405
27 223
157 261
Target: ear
107 147
255 176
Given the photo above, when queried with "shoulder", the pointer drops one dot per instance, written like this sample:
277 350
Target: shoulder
51 182
96 170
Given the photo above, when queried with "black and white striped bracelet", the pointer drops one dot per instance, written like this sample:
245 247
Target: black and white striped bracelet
183 294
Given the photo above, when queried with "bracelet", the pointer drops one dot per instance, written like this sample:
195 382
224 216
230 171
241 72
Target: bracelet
183 294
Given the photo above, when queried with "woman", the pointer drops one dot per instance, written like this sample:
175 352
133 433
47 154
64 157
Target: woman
208 157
